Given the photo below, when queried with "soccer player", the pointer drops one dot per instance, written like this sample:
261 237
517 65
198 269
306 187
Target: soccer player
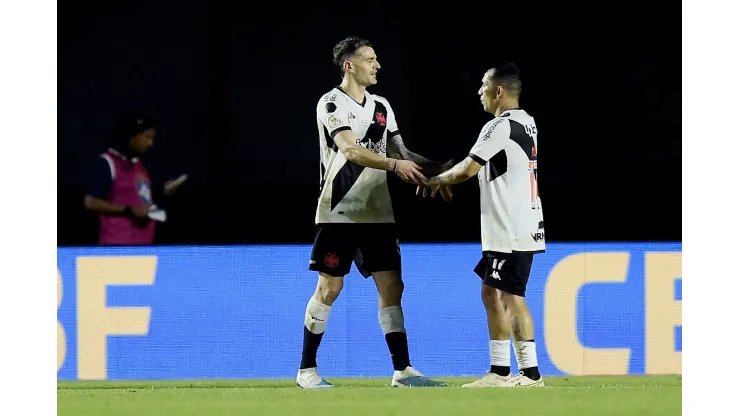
354 217
512 227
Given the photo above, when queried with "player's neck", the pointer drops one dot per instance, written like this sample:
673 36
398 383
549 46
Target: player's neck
353 89
506 106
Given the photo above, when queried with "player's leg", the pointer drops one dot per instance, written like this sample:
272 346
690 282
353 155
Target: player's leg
512 284
380 257
499 344
330 257
390 316
522 328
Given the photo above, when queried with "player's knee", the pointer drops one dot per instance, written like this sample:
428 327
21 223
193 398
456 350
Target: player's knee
491 299
391 290
328 289
513 303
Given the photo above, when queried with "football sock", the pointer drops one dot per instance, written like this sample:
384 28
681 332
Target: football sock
500 353
526 358
314 325
392 323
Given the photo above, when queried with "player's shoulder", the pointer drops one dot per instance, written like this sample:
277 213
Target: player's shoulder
332 97
329 101
518 115
380 99
499 123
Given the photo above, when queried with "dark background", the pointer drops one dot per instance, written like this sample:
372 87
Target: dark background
235 85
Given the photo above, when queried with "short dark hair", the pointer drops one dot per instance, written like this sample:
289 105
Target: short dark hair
347 48
131 123
508 76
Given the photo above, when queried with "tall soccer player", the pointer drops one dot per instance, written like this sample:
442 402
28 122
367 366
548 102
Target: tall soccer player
512 229
354 217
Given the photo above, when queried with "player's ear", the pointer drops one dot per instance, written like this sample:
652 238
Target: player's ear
348 67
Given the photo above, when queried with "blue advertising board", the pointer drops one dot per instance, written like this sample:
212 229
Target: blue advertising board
155 313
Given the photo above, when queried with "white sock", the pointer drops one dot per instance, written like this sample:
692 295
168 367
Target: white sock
316 316
500 352
391 319
526 354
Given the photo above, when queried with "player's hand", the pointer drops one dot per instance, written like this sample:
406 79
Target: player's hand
444 190
410 172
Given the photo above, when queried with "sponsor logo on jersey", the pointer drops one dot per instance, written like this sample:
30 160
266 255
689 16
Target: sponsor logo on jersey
540 234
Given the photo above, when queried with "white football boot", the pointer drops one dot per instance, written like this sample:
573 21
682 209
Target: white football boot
520 380
309 378
490 380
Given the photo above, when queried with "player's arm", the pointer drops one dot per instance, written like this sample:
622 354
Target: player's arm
461 172
491 140
347 144
334 116
398 150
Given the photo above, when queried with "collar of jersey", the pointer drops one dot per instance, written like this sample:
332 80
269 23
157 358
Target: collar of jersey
364 97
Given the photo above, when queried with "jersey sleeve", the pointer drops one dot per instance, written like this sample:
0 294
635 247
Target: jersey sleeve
391 124
100 179
491 140
333 115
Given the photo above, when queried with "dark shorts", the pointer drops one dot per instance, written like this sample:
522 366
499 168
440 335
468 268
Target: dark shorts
372 247
508 272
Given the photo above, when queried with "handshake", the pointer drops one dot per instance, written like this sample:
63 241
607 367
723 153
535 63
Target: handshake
411 172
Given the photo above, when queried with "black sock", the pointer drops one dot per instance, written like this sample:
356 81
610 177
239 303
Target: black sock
532 372
399 348
311 343
501 370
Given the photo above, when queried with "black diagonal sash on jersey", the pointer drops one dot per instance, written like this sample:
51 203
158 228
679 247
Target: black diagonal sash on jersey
348 174
519 136
499 163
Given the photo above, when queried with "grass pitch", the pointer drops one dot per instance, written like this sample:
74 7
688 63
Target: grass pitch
571 396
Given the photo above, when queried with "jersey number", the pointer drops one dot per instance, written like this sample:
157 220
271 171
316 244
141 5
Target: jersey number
533 191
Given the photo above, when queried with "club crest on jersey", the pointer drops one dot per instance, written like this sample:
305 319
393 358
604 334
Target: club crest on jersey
333 121
380 117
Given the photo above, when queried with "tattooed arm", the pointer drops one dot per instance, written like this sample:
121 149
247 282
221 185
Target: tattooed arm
398 150
491 140
459 173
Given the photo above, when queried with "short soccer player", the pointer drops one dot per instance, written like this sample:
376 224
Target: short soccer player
512 229
354 217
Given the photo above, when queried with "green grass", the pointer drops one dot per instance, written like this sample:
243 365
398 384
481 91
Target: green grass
572 396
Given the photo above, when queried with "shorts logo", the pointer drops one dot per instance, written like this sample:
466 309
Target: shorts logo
497 265
331 260
333 121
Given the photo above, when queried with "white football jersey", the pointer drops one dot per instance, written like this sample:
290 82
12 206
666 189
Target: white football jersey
511 213
351 193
